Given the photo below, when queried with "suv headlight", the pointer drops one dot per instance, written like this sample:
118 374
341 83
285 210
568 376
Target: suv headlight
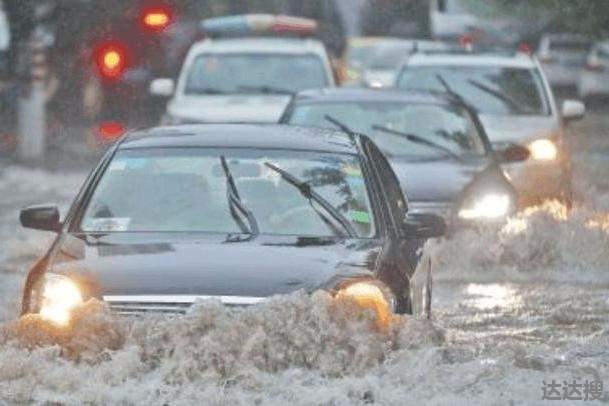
543 150
57 296
488 206
372 295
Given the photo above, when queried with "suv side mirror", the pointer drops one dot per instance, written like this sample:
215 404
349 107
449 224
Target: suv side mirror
512 153
44 218
162 87
573 110
423 226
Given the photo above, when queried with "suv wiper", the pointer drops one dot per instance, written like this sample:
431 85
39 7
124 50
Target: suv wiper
418 140
267 89
236 204
305 189
503 97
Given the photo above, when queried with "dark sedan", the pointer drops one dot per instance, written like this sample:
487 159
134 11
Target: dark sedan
434 142
237 213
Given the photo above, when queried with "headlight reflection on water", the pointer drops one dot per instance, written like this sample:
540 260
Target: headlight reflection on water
487 207
490 296
60 296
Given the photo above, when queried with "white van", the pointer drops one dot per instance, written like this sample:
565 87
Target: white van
450 19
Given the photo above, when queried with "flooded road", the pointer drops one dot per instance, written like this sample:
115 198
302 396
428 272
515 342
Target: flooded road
513 308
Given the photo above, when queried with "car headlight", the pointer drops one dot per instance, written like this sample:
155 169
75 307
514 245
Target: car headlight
543 150
371 295
491 206
58 295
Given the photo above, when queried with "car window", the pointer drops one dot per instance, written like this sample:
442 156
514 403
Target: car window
491 89
255 73
185 190
446 125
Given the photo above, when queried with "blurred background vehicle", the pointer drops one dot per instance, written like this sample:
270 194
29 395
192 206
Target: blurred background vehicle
593 82
386 56
515 104
249 76
563 57
436 146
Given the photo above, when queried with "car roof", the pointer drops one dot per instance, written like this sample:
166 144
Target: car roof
287 45
515 60
381 95
257 136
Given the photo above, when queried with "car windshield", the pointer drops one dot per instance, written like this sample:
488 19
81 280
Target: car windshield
450 127
255 73
490 89
186 190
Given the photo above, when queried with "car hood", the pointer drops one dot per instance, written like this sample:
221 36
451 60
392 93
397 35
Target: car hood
519 128
437 180
148 264
231 109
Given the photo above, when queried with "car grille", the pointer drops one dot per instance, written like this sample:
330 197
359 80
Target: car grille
170 304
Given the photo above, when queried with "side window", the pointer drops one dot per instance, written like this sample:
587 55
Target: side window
395 200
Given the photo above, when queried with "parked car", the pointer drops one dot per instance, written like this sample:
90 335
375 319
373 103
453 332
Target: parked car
249 78
563 57
435 144
515 104
236 213
594 78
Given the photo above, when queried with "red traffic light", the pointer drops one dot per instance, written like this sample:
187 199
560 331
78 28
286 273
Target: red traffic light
109 131
111 60
155 19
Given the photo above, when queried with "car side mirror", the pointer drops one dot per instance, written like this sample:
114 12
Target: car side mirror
573 110
423 225
162 87
512 153
44 218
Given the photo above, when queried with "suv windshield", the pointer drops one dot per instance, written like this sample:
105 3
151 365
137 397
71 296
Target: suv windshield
522 89
255 73
450 127
186 190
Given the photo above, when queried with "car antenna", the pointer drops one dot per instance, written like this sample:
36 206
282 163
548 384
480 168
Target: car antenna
343 127
454 94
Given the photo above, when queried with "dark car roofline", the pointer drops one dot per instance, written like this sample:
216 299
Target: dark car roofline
255 136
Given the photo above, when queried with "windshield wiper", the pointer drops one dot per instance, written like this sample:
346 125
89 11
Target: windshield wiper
236 204
205 90
454 94
267 89
501 96
341 126
418 140
305 189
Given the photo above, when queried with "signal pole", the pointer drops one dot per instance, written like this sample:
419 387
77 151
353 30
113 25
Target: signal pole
32 107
